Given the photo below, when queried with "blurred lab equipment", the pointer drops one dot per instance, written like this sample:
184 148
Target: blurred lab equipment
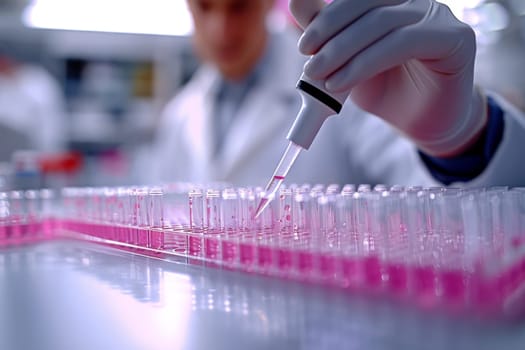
500 35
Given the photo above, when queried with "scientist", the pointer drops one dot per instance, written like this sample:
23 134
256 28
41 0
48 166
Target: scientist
32 105
413 115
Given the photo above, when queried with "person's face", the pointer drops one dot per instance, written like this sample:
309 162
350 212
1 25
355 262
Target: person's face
230 34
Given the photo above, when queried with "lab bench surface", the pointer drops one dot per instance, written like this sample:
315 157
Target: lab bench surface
68 294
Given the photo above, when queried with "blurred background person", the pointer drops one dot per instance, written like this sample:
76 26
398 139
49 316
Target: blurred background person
32 106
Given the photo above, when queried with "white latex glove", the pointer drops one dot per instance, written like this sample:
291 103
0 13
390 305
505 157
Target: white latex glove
409 62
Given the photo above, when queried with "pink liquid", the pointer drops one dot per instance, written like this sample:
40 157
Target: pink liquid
8 234
77 226
423 284
123 234
23 229
33 228
114 232
108 232
91 229
16 232
247 255
133 237
229 251
49 226
3 233
489 293
265 257
82 227
518 241
143 237
372 272
67 224
211 248
454 287
397 278
486 295
327 267
157 238
305 264
101 231
284 259
194 244
350 268
513 277
176 240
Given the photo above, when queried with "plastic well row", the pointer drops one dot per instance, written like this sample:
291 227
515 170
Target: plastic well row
459 248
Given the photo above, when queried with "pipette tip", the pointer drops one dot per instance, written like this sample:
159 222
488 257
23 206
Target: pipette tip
263 204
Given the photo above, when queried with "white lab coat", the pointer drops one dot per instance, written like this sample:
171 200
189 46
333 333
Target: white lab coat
354 147
32 105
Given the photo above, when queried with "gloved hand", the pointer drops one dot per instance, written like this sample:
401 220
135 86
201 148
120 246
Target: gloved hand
409 62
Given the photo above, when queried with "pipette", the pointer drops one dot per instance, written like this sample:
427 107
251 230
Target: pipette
316 107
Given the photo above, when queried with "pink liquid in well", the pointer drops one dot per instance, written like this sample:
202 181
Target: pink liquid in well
372 272
107 232
104 229
23 232
351 272
133 235
454 286
79 227
3 233
33 228
265 255
123 234
513 277
485 295
157 239
397 278
284 259
176 240
194 244
211 247
16 232
143 237
95 229
114 232
424 285
247 255
305 264
327 267
8 232
229 251
48 227
101 231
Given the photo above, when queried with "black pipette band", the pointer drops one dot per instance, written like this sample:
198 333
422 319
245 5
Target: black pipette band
320 95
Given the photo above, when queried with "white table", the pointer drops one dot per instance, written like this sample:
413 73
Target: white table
65 294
